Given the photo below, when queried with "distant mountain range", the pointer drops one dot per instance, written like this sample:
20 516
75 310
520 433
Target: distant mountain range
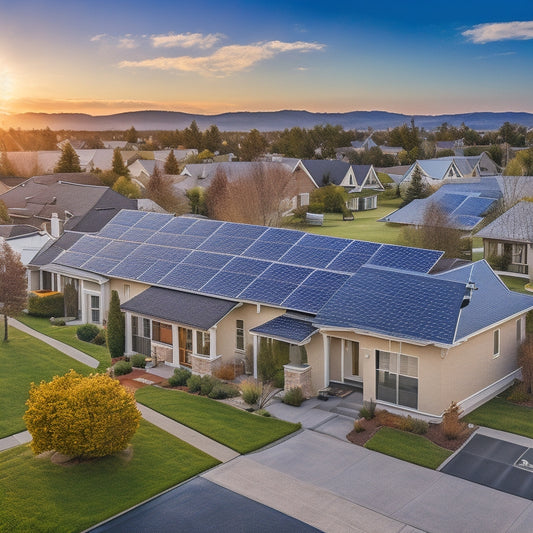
263 121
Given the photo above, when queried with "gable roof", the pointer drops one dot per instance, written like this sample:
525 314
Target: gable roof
325 170
54 248
515 225
436 169
9 231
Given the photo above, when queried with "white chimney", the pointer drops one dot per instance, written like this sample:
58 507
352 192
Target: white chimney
54 226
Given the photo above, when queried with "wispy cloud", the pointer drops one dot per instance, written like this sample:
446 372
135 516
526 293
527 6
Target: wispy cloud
127 42
186 40
225 60
97 38
500 31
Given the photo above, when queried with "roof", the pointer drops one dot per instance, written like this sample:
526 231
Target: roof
9 231
360 172
325 171
54 248
436 169
287 328
515 225
193 310
203 173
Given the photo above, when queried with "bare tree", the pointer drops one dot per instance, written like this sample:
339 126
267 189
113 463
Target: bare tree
161 191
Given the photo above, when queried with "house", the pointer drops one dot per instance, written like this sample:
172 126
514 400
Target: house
25 240
508 240
363 145
199 292
473 166
465 203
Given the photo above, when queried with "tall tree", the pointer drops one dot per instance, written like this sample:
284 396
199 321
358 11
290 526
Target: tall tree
212 139
13 284
417 187
171 164
192 136
69 160
115 327
252 146
160 189
118 166
131 135
217 194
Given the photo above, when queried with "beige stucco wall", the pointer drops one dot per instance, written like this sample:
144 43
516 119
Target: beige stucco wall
135 288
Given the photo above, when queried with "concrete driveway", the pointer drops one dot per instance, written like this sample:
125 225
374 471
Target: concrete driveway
337 486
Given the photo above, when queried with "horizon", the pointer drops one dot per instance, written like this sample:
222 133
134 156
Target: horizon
212 59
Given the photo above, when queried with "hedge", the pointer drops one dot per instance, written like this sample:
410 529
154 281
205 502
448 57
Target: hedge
46 306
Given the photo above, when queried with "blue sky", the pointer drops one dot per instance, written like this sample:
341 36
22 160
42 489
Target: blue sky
211 57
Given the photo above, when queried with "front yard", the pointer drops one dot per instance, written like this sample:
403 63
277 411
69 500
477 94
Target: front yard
243 432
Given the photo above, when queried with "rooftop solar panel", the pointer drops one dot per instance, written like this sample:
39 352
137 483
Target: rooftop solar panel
229 284
72 259
154 222
363 248
225 244
450 202
117 250
207 259
268 291
89 244
400 257
178 241
244 265
474 206
188 277
113 231
203 228
128 218
307 299
346 262
131 269
137 235
286 273
466 222
282 235
100 265
154 252
327 280
267 250
244 231
312 257
322 241
156 272
178 224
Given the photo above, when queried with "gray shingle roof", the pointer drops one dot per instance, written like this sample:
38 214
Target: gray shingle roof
287 328
515 225
54 248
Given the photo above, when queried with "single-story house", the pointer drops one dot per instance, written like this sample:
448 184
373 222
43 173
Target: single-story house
24 240
198 292
508 240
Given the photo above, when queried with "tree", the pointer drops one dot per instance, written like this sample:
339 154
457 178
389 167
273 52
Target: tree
217 195
161 191
525 360
116 327
13 284
521 164
126 187
252 146
192 136
417 187
4 213
328 199
212 139
70 299
171 164
6 168
196 197
69 160
131 135
118 166
80 416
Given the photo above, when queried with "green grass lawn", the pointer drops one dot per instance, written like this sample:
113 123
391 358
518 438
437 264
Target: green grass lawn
516 284
24 359
505 416
364 226
36 495
67 334
239 430
408 447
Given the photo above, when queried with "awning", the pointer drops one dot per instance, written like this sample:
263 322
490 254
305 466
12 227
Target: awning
197 311
286 328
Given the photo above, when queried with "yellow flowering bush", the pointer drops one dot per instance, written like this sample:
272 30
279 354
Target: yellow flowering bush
81 416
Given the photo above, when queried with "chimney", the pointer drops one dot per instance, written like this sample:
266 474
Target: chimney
54 226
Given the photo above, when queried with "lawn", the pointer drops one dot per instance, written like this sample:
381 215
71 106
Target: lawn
516 284
25 359
36 495
67 334
408 447
239 430
364 226
505 416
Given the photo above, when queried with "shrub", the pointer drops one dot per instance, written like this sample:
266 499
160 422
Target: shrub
207 384
194 383
262 412
138 360
100 339
251 391
358 426
518 393
115 327
391 420
368 410
57 321
294 396
122 367
451 426
46 306
81 416
87 332
415 425
225 371
223 390
299 213
180 377
279 379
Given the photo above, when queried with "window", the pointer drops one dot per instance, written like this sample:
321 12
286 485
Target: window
496 348
126 292
519 330
140 337
203 343
397 378
146 328
239 341
95 309
161 332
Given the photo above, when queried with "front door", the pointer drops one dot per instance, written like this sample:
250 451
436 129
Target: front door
185 346
351 359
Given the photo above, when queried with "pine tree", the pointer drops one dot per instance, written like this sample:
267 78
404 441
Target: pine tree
192 136
115 327
417 187
118 166
171 164
131 135
69 160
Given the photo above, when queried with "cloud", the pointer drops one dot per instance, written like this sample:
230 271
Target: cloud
225 60
97 38
127 42
500 31
186 40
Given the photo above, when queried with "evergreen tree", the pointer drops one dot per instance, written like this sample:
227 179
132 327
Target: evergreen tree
115 327
212 139
126 187
417 187
192 136
69 160
171 164
131 135
118 166
252 146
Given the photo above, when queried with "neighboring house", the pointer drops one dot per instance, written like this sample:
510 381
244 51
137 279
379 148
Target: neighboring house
78 204
474 166
25 240
433 171
199 292
508 240
457 145
465 203
363 145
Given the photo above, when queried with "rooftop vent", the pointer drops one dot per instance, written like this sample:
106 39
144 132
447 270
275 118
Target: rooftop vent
469 289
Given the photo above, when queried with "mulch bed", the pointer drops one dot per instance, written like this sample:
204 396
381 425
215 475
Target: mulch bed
434 434
129 380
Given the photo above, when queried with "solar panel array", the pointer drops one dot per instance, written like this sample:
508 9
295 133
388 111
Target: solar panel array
288 268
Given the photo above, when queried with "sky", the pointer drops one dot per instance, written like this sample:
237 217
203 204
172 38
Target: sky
208 57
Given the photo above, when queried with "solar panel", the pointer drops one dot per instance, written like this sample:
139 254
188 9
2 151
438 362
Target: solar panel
137 235
313 257
322 241
225 244
363 248
268 291
117 250
89 244
243 265
282 235
188 277
243 231
307 299
131 269
400 257
450 202
203 228
286 272
100 265
157 271
329 281
154 222
153 252
229 284
207 259
474 206
72 259
178 224
178 241
267 250
128 218
466 222
113 231
346 262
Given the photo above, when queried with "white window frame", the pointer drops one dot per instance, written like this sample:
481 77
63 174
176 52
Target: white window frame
239 336
496 343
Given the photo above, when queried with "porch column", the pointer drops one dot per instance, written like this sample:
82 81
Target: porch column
175 345
326 340
213 342
343 348
256 342
127 332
